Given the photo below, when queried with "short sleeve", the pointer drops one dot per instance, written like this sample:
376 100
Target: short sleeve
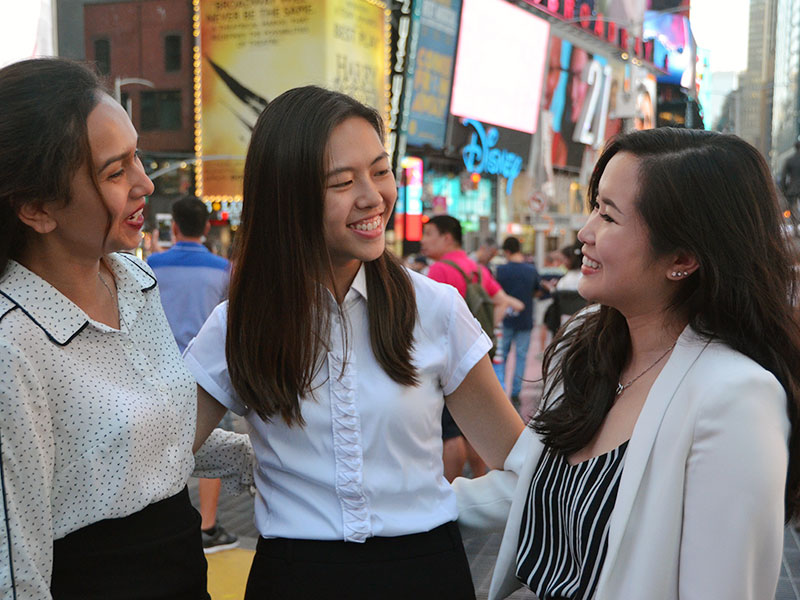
489 283
27 459
465 342
205 359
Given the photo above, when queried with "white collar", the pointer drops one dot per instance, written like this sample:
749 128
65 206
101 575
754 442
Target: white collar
60 318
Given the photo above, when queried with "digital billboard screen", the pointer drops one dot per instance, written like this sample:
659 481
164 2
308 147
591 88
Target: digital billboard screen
499 65
586 100
430 94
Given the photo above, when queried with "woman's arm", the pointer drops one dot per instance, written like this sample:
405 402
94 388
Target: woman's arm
733 498
209 414
483 412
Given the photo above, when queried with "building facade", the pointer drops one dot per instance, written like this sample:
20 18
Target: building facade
148 40
756 83
786 97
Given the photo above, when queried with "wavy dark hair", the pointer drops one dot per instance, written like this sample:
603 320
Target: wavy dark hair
43 138
712 196
278 321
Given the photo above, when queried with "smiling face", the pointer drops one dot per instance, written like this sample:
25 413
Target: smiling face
619 268
359 196
81 225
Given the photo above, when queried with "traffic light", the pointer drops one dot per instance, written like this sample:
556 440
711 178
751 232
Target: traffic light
474 180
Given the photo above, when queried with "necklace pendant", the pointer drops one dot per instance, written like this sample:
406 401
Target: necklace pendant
620 388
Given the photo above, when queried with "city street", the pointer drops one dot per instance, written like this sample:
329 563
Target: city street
228 569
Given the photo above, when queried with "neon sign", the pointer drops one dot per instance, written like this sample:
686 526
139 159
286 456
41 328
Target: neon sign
481 155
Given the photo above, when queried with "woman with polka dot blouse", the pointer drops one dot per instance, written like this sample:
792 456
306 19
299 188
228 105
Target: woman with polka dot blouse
97 411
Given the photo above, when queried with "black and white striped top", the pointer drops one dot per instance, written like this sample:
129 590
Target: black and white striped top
564 533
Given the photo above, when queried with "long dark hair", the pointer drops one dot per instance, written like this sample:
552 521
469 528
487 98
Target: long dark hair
712 196
43 138
277 315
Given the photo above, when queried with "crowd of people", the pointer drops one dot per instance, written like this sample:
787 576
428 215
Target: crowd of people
661 463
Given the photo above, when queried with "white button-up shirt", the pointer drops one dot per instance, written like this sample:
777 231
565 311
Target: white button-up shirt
369 460
95 423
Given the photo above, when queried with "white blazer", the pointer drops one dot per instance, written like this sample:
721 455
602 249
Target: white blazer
699 510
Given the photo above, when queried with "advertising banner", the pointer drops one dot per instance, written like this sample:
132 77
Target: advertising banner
586 100
251 51
499 65
433 71
26 31
667 21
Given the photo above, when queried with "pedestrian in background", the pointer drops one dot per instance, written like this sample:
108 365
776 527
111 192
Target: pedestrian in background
789 180
553 269
664 460
98 410
192 282
341 360
441 241
519 280
566 299
485 254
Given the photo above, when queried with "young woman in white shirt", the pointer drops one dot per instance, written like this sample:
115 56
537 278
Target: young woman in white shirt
342 360
97 411
664 460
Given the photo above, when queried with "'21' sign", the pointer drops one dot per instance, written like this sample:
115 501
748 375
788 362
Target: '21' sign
591 126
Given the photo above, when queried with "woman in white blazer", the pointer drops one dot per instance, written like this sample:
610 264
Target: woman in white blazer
663 460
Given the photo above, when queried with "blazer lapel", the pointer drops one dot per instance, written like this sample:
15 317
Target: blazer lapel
687 349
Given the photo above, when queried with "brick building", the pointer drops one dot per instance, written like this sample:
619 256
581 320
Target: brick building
150 40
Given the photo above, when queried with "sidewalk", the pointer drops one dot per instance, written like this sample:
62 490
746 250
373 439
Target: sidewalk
228 569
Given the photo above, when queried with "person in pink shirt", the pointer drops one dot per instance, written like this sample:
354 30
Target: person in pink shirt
441 241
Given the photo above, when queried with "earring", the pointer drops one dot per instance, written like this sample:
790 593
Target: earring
675 274
685 274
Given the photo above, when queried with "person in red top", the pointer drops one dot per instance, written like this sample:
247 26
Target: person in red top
441 241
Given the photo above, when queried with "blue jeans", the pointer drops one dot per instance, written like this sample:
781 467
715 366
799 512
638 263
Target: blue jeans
521 339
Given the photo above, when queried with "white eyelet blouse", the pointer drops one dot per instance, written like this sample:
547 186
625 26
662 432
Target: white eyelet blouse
96 423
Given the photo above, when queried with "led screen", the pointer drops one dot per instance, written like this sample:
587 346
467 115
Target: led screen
499 65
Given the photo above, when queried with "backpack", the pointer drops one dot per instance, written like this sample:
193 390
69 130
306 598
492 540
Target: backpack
479 302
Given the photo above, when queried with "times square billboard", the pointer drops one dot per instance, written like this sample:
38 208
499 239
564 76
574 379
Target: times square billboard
28 32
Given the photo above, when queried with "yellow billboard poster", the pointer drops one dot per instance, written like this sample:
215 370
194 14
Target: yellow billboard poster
250 51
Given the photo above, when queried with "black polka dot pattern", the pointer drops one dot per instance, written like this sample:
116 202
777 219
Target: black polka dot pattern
96 422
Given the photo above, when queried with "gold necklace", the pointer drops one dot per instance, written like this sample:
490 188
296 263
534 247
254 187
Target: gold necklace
113 299
621 388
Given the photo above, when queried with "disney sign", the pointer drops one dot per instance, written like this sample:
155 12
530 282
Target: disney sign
481 155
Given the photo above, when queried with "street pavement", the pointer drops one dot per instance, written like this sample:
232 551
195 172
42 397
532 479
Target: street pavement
228 569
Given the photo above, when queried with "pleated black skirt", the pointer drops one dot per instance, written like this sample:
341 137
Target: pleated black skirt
154 554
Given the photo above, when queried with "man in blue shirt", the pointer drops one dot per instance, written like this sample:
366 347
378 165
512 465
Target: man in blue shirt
192 281
520 280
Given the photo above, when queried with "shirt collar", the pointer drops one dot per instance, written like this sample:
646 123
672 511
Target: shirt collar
192 246
359 285
358 289
54 313
453 254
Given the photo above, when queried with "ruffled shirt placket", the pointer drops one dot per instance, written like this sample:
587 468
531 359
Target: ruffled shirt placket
347 442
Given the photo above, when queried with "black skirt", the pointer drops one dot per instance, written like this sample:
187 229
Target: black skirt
154 554
420 566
